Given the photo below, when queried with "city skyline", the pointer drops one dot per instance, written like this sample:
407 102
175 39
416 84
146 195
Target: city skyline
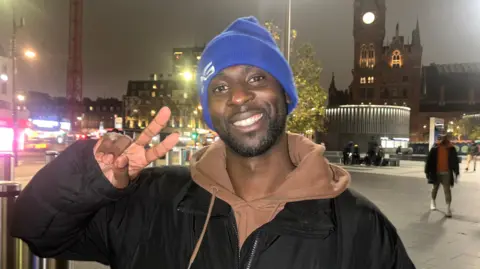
117 49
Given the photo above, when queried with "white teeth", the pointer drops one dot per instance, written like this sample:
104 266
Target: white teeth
247 122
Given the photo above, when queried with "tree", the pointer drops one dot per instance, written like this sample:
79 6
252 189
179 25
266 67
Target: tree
309 115
468 127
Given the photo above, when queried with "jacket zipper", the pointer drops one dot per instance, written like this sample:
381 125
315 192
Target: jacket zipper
254 247
237 249
252 253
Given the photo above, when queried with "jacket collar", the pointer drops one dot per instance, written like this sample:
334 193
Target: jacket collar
311 218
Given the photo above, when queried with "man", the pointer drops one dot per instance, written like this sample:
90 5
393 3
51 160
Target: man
442 168
472 156
259 198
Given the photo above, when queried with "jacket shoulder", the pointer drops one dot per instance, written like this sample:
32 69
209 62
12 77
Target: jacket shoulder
358 206
163 182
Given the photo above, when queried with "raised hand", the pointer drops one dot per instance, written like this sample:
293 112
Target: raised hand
121 159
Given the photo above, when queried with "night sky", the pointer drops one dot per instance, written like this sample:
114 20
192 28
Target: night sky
127 39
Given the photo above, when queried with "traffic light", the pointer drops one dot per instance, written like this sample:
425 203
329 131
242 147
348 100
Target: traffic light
194 136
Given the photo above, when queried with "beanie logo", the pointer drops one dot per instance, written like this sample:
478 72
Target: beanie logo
208 71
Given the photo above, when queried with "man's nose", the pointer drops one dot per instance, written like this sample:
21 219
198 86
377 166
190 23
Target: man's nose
240 95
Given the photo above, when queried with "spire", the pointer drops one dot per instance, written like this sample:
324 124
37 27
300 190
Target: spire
397 30
332 83
416 35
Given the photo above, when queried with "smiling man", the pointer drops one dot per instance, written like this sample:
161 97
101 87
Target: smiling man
258 198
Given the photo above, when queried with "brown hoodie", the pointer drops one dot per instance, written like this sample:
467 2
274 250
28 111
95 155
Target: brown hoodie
313 178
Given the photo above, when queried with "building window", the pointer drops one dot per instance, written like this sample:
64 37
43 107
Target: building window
371 56
363 80
384 93
371 80
396 59
471 96
405 93
4 88
394 92
367 56
154 86
154 94
90 108
370 93
405 78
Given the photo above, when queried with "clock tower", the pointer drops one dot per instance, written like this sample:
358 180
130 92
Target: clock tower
369 35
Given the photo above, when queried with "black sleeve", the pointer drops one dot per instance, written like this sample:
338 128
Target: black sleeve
428 161
455 162
62 212
384 248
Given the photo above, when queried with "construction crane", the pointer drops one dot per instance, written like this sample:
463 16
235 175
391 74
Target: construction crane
74 64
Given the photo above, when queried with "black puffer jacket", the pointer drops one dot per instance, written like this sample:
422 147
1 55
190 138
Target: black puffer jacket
69 210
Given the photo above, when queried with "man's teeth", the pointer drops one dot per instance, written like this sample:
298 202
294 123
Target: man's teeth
247 122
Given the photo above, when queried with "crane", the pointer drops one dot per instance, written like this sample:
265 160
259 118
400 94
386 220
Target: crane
74 64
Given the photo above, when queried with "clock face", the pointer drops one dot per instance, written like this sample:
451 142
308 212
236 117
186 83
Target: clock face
368 18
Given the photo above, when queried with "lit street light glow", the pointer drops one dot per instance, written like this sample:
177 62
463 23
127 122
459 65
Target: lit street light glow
21 97
187 75
4 77
30 54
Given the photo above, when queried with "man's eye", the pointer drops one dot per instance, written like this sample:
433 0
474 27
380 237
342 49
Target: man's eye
220 89
256 79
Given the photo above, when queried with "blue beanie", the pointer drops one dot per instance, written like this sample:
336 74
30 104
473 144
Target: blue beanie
244 42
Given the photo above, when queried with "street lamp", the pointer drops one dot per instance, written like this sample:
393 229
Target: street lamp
21 97
30 54
187 75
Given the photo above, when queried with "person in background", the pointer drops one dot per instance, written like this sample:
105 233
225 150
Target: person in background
442 168
347 151
472 154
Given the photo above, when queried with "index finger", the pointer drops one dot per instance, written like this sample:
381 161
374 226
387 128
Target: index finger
154 127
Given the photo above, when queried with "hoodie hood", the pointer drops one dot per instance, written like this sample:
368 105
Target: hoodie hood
313 178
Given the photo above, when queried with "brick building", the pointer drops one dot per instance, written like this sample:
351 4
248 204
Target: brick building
449 91
385 72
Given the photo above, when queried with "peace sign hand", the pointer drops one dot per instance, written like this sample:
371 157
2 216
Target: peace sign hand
121 159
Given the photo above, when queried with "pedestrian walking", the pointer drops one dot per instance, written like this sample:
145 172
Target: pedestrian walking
442 169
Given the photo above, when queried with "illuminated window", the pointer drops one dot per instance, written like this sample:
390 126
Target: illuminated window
371 80
363 80
154 94
371 56
363 56
367 56
154 86
91 108
396 59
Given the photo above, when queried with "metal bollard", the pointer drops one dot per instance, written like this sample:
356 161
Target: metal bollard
168 158
9 247
181 156
7 166
50 156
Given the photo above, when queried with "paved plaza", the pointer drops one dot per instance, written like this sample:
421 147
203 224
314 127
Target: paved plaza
432 240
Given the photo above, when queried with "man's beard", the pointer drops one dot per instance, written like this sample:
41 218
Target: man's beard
275 129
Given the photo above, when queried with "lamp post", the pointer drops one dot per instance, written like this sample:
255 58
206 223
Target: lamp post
15 27
288 30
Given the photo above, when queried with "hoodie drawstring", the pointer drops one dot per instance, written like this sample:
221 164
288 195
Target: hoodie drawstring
204 229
